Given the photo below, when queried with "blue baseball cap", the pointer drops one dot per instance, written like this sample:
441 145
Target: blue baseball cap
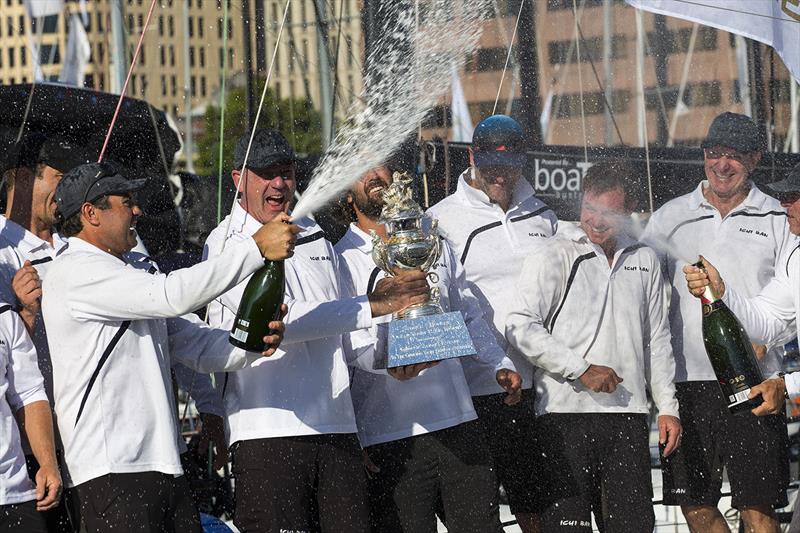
498 141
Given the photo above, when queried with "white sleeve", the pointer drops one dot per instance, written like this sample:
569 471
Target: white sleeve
539 289
25 382
792 384
489 354
308 320
367 351
767 317
207 398
125 293
204 349
660 363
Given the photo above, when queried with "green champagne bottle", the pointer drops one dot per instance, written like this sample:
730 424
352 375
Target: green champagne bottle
260 304
731 353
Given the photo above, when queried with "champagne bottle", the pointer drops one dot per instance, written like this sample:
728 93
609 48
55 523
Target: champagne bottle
260 304
731 353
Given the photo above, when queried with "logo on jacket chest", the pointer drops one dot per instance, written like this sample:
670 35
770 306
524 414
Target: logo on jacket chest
536 234
750 231
636 268
319 257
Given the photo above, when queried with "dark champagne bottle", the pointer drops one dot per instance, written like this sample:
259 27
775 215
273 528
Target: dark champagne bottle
731 353
260 304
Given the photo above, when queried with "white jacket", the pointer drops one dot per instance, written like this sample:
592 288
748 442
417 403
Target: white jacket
746 245
304 388
112 328
21 384
572 309
492 244
388 409
772 315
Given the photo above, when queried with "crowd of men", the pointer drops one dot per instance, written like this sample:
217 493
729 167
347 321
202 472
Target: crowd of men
581 331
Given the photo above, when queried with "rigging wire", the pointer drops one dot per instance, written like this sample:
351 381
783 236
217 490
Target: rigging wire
508 55
580 81
225 60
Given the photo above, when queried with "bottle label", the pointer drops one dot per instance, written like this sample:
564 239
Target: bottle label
739 397
239 334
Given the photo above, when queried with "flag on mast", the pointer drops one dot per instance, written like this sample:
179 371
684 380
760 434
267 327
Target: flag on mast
78 53
462 122
43 8
775 23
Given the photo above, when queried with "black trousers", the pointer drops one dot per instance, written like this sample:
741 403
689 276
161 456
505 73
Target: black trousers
22 517
313 483
142 502
451 466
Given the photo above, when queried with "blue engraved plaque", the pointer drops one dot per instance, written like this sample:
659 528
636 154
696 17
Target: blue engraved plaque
428 338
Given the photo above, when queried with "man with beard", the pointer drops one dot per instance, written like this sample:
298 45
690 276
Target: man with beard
421 435
291 426
725 215
589 313
492 223
114 326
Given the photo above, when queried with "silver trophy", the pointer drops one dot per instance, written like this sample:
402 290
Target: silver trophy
421 332
408 247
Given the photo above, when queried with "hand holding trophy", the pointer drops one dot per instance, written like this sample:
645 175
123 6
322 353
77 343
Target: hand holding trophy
422 332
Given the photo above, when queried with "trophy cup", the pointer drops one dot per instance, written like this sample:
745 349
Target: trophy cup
422 332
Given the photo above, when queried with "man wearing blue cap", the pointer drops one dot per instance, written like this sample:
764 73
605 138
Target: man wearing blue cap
729 221
114 324
492 222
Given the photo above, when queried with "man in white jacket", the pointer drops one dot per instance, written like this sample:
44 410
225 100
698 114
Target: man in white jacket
114 326
422 434
728 220
772 316
24 501
590 314
492 223
291 426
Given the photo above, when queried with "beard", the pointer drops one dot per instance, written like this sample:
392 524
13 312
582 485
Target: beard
371 207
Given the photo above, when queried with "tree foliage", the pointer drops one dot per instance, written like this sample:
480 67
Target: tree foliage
296 119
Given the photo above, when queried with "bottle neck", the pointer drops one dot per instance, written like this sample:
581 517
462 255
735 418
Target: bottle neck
708 296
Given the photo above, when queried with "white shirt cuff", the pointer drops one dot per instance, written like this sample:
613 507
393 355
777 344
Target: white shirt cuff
792 384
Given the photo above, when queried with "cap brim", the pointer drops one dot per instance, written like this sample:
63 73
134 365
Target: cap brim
742 147
782 189
265 162
500 159
129 186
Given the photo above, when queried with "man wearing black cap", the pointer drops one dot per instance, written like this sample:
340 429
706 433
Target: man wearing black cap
113 324
736 226
28 242
769 316
296 456
492 222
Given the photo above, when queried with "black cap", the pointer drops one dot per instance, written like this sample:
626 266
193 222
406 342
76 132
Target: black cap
88 182
63 155
790 185
498 141
269 148
736 131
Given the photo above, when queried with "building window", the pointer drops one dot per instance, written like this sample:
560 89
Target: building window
591 49
191 56
202 57
171 25
677 42
173 85
163 85
708 93
171 55
191 27
439 117
161 25
486 60
100 29
203 86
200 30
23 56
162 55
557 5
100 52
11 57
193 86
593 103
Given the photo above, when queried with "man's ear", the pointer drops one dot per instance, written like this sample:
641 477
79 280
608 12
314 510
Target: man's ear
89 215
235 176
471 157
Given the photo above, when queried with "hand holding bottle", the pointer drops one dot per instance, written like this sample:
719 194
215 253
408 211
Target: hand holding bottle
773 394
276 330
395 293
275 239
699 278
599 378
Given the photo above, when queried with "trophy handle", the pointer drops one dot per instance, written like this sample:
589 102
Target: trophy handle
379 251
436 246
